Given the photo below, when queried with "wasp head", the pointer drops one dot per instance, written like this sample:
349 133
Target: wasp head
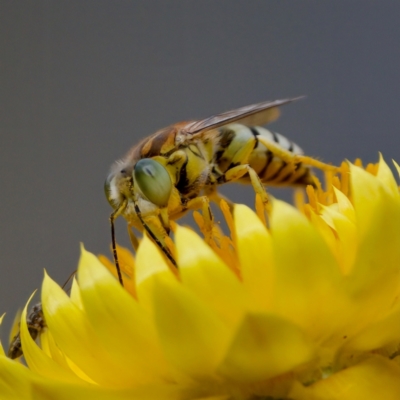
146 181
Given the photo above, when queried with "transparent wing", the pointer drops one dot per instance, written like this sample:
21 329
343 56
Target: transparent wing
253 115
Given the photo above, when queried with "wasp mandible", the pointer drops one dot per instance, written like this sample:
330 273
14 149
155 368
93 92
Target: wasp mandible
179 168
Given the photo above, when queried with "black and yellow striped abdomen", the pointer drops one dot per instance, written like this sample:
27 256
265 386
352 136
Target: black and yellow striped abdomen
239 144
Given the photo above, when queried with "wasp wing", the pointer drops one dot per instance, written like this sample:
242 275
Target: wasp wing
253 115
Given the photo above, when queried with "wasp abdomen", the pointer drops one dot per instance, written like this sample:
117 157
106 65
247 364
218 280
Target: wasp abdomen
239 144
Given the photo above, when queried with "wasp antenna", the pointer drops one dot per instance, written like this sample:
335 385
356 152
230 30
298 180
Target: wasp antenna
304 96
69 278
113 216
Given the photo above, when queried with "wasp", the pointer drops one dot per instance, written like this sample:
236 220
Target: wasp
36 324
180 167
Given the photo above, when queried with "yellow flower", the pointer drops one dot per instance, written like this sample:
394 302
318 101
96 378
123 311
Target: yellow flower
307 308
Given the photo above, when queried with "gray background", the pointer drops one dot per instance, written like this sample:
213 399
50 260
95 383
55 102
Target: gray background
82 81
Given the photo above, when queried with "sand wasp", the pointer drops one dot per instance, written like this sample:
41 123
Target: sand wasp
36 324
180 167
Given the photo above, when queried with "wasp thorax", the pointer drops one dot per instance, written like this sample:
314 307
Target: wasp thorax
153 180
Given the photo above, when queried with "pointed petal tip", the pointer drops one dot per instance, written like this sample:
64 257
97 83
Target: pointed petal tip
82 247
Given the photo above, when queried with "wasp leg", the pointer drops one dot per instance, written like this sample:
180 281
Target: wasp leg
133 239
164 218
203 203
239 171
157 233
312 162
292 158
113 216
216 197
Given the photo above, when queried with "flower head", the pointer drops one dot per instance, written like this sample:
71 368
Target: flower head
305 306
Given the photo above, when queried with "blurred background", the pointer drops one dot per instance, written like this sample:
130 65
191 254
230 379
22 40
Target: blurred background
83 81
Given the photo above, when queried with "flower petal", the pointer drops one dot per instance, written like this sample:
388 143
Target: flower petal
49 390
207 276
50 347
149 263
2 353
374 378
376 335
127 266
123 328
255 255
192 335
344 205
386 177
375 279
346 237
75 337
397 167
14 327
307 275
265 346
15 380
36 358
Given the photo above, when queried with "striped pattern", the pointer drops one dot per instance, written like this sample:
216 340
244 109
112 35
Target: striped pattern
271 169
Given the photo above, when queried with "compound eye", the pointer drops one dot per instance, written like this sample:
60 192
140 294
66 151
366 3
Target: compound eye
153 180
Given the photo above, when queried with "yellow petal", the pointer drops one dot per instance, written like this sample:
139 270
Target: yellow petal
344 205
14 327
375 279
397 167
374 378
75 336
307 275
2 353
36 359
49 390
369 198
207 276
123 328
75 294
15 380
386 177
152 262
325 226
223 397
255 255
265 346
347 239
376 335
51 349
149 263
192 335
127 266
